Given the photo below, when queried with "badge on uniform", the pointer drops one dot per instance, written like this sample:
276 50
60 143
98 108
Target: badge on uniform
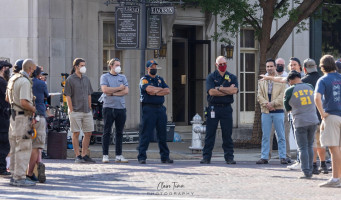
144 81
227 77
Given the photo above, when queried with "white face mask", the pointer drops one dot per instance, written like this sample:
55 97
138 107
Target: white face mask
117 69
82 70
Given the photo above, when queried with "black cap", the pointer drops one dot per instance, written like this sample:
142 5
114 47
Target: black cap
5 63
18 65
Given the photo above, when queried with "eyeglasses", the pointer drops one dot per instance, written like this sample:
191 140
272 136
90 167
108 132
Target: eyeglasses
116 59
222 65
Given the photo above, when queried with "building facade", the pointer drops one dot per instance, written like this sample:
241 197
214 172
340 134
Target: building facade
54 32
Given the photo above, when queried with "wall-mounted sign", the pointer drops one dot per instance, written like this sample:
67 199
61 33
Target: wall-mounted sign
161 10
153 31
127 29
131 9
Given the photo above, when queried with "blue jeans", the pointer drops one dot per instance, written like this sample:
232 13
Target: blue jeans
111 115
305 139
278 120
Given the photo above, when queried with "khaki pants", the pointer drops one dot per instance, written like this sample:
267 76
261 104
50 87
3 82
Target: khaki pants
20 148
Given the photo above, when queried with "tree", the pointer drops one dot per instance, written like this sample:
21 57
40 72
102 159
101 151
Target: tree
242 13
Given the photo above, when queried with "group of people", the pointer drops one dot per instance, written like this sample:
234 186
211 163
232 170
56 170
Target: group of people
314 105
310 101
23 124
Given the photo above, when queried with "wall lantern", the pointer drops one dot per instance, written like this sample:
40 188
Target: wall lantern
227 51
162 52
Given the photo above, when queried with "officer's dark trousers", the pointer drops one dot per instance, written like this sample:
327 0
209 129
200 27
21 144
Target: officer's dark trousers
224 115
4 150
111 115
153 117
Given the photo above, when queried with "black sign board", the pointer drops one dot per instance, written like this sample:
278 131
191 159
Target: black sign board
131 9
153 31
161 10
127 29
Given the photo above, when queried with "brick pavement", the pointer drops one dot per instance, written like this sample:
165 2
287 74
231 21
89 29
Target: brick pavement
246 180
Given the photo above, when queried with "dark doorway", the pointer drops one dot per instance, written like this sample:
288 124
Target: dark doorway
191 60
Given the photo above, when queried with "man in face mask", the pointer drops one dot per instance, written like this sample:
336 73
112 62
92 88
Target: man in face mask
153 89
4 117
115 86
221 86
280 64
78 92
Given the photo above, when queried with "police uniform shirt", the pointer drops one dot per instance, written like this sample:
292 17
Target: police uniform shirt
156 82
111 80
22 89
216 80
79 90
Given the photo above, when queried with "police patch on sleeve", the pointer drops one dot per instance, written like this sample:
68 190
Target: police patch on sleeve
144 81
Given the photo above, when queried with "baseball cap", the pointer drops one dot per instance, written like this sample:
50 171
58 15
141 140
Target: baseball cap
18 65
5 63
309 63
150 63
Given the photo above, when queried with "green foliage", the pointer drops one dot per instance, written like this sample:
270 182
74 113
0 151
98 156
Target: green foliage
245 13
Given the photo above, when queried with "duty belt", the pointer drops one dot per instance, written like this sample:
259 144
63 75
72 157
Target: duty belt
152 105
219 105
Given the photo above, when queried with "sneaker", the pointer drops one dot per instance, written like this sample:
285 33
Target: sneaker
167 161
41 172
105 159
5 173
331 183
87 159
230 162
262 161
79 159
295 166
284 161
205 161
306 177
316 170
121 159
32 178
23 183
142 161
323 169
288 160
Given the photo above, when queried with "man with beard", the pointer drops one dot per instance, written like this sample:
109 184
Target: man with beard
4 116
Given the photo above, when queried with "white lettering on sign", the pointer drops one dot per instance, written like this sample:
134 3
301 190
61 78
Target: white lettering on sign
162 10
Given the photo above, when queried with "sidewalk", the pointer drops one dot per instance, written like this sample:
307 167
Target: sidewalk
178 151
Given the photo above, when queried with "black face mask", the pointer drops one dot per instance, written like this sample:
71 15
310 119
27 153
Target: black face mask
7 74
280 68
153 72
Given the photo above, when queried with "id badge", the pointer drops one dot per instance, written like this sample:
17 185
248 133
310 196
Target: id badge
212 114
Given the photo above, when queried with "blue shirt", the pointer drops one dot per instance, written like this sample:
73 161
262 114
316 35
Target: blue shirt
111 80
156 82
39 89
329 86
215 80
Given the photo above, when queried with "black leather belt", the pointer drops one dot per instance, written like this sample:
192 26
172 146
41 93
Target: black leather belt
20 112
152 105
219 105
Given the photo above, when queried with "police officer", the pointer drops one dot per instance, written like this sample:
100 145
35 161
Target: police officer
220 85
19 95
153 89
